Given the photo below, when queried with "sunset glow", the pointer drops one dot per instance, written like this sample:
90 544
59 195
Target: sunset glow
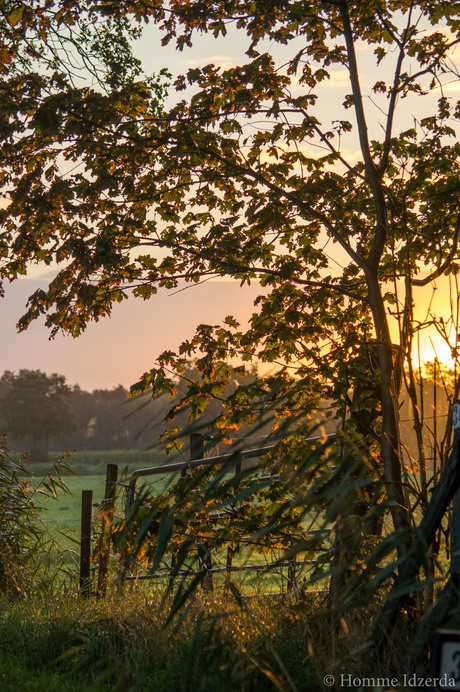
432 347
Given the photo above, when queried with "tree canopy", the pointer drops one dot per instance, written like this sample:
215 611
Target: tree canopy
248 178
36 407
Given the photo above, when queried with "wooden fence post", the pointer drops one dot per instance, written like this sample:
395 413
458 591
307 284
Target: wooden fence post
106 529
85 542
292 577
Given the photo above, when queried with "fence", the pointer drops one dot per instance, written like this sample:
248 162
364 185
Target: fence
198 459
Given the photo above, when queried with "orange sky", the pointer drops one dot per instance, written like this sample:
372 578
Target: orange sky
432 345
118 350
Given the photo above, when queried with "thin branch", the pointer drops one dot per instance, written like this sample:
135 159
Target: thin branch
357 94
370 265
336 153
238 268
394 96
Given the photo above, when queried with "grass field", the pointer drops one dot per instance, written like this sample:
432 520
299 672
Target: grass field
63 514
61 518
94 463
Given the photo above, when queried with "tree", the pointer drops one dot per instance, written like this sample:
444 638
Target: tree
35 407
246 179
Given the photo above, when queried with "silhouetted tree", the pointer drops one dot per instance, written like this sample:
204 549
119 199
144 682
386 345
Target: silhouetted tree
35 408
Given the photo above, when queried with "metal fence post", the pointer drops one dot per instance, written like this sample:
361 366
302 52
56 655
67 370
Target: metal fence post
106 529
292 577
231 548
197 451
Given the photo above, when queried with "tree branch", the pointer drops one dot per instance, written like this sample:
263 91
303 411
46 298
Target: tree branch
373 175
394 96
357 95
237 268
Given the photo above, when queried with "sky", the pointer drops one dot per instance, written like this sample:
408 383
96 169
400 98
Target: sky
118 350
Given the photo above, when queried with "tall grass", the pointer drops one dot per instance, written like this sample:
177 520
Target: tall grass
126 645
53 640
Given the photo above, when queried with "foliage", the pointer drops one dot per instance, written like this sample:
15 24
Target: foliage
282 510
62 129
23 540
248 179
19 528
44 411
342 215
107 420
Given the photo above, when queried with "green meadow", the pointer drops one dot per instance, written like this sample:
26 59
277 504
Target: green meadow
61 518
61 515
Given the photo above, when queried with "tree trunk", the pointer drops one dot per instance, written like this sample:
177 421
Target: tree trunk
390 440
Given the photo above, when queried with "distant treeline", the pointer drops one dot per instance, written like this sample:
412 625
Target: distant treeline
42 413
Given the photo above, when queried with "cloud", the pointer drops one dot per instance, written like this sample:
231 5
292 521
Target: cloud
224 61
452 87
339 79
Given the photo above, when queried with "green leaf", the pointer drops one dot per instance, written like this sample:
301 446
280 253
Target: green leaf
15 16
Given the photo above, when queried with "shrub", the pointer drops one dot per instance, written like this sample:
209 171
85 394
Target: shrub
22 536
